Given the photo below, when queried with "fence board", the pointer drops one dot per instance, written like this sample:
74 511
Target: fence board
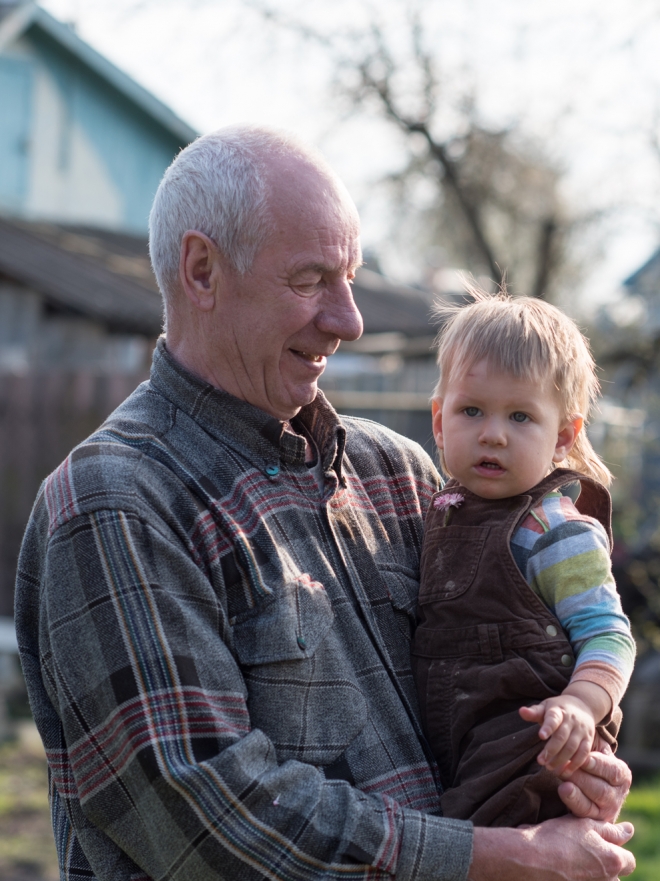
42 417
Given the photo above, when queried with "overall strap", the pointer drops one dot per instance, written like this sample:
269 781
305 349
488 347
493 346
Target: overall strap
594 500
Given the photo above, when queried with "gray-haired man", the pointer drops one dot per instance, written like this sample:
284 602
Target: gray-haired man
216 589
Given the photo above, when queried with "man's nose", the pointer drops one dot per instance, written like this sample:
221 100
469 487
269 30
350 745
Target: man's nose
339 316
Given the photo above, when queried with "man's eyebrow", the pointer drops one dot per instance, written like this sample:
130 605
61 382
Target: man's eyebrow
314 267
324 267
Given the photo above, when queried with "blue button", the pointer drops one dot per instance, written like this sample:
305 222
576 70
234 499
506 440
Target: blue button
272 470
302 642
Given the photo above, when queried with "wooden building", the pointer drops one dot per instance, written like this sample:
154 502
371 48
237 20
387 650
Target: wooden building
80 141
82 150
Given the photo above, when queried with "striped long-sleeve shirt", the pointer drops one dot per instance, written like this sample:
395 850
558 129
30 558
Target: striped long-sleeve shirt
565 559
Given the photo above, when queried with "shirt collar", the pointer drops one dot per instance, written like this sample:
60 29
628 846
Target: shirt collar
245 427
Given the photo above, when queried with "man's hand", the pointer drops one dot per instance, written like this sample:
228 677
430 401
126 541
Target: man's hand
599 788
566 849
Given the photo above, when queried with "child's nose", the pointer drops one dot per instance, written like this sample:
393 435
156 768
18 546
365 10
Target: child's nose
493 433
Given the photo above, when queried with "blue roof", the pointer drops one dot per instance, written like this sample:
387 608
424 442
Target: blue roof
17 18
646 277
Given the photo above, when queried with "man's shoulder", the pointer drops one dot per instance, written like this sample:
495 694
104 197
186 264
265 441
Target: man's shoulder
377 453
363 436
126 464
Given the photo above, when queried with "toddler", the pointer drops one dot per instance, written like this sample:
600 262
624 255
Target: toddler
522 652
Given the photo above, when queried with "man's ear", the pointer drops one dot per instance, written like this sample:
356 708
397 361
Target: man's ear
200 270
567 436
436 415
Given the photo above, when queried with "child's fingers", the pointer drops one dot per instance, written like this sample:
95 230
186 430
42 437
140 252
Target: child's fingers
555 745
567 752
552 721
533 714
580 756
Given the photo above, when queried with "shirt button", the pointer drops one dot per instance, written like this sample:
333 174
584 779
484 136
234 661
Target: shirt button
566 660
302 642
272 470
551 630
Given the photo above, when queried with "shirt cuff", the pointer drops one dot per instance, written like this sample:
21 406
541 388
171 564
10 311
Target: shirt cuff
434 848
604 675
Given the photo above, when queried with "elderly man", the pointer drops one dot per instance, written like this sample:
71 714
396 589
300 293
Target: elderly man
216 589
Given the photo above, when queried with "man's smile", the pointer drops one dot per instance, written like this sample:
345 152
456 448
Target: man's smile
308 356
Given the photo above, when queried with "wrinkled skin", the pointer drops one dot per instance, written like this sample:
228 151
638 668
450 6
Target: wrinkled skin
584 847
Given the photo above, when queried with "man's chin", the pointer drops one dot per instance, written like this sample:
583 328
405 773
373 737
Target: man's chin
296 399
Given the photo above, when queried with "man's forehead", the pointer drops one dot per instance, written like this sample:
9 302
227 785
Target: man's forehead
296 183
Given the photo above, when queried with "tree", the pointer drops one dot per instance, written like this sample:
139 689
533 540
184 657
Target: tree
486 196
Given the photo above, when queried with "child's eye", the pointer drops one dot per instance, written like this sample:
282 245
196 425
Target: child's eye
472 411
520 417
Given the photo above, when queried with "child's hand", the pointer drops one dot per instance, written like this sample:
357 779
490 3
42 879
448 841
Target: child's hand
569 724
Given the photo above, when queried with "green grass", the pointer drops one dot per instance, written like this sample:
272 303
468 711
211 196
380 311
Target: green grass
642 808
27 849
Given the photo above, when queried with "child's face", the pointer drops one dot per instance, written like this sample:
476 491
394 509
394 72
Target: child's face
500 434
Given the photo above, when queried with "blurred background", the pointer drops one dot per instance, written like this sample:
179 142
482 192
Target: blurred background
504 139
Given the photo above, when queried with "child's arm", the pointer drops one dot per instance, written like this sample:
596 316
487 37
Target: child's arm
565 559
568 722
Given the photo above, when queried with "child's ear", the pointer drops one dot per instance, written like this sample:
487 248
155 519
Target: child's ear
567 436
436 413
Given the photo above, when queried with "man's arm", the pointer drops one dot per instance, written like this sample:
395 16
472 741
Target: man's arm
565 849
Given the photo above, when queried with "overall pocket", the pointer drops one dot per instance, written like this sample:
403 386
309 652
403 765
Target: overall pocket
450 558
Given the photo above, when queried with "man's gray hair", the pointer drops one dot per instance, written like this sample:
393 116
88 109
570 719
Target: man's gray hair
218 186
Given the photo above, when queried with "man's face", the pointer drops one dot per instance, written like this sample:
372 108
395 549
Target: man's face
282 319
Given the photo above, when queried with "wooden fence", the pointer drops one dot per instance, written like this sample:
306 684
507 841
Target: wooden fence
42 417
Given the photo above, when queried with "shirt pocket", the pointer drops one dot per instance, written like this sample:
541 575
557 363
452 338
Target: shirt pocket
402 586
302 691
450 558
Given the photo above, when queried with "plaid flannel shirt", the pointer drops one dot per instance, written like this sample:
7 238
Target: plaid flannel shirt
217 652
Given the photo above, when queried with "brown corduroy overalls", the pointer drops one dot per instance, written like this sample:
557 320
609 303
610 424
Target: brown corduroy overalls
486 645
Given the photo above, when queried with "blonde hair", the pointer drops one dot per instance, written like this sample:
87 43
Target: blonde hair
527 338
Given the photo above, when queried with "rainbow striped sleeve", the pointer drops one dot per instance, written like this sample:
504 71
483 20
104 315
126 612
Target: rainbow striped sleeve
565 559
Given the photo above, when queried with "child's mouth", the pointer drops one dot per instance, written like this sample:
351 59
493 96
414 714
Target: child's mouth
490 467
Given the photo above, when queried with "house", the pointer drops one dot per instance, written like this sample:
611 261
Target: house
79 314
82 150
80 141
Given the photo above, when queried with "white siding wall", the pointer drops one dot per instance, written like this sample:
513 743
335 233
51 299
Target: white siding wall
68 180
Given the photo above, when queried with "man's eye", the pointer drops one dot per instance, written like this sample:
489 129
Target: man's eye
307 287
472 411
520 417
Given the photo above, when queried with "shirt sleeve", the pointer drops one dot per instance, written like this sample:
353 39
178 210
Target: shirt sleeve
159 750
567 563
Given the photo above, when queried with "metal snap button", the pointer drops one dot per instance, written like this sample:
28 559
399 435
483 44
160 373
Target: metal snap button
551 630
566 660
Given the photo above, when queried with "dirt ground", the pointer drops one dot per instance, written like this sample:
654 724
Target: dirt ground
27 849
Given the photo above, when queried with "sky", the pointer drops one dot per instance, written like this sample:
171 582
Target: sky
579 76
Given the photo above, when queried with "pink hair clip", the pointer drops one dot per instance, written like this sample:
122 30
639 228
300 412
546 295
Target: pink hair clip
450 500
